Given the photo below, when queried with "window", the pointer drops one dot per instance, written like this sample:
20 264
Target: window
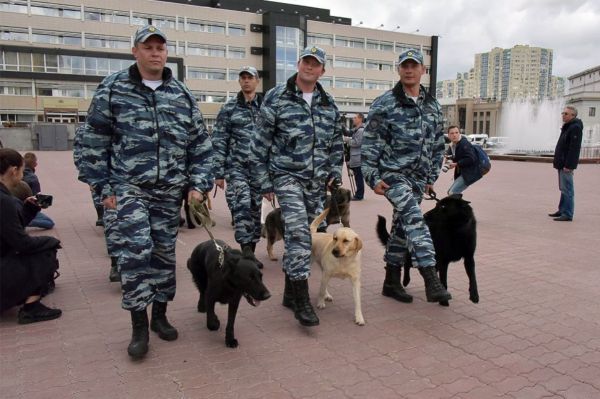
55 37
161 22
13 6
17 34
345 83
207 74
349 42
237 30
380 65
352 63
60 90
205 26
400 47
592 111
378 85
352 102
111 16
326 81
55 10
319 40
380 45
105 41
15 89
210 96
236 52
206 50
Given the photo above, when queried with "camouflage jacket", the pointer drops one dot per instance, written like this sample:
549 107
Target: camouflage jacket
403 138
293 138
142 137
232 137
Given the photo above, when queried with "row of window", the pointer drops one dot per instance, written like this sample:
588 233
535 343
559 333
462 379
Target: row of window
361 43
115 42
85 13
67 64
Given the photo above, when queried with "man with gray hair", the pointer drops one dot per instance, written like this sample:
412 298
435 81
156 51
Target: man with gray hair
566 157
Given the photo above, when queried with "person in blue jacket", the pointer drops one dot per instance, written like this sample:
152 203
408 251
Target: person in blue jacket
463 159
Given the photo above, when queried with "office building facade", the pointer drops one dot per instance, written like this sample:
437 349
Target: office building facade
54 53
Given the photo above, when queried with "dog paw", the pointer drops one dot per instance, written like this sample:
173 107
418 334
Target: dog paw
359 320
213 325
231 343
474 298
201 308
444 303
328 298
321 304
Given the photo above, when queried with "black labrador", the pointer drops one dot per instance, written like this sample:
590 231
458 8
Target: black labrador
238 275
453 230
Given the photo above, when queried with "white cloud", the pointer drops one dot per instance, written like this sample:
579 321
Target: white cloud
466 27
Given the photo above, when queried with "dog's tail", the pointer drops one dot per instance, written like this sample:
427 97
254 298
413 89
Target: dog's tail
315 224
382 233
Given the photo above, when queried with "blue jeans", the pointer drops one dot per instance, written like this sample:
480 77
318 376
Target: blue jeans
360 182
566 206
458 186
42 221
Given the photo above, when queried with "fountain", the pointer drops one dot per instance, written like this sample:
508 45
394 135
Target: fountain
532 127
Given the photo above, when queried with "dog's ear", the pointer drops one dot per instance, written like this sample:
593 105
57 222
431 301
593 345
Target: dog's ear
358 244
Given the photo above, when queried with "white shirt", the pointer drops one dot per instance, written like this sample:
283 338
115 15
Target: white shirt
308 98
153 84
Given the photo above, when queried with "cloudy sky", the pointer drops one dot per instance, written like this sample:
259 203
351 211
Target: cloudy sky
569 27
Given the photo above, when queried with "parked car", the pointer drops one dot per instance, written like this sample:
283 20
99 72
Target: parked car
497 142
478 139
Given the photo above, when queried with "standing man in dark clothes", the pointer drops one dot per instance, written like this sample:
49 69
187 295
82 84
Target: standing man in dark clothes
566 157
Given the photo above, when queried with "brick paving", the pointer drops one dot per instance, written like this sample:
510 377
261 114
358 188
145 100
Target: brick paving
534 334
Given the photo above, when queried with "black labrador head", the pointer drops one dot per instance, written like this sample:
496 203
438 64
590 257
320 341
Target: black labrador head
453 210
244 275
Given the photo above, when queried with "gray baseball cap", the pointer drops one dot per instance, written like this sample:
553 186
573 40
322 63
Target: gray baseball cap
144 33
313 51
249 69
411 54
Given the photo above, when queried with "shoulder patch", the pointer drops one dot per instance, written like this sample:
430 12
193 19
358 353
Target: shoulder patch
374 123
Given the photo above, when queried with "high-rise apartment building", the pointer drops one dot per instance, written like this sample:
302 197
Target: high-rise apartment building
54 53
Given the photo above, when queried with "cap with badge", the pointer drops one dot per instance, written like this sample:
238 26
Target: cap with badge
144 33
411 54
250 70
316 52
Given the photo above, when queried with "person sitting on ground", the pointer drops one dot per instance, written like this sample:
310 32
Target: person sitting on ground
27 264
41 220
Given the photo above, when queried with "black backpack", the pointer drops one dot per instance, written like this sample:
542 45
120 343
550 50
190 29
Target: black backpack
484 160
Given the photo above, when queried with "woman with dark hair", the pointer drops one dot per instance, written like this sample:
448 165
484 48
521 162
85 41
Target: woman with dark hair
27 264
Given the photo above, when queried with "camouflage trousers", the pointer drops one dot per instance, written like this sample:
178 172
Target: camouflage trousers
111 230
410 234
244 202
148 221
300 202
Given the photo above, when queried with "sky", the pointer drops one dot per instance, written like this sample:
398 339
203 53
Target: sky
571 28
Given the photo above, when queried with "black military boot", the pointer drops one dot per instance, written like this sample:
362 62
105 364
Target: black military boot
303 310
434 290
100 214
288 294
138 347
392 286
160 324
114 275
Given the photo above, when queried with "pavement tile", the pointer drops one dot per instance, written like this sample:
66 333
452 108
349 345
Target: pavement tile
520 341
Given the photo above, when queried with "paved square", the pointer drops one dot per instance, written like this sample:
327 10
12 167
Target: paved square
534 334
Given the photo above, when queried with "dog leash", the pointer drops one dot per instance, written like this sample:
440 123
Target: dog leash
199 209
432 196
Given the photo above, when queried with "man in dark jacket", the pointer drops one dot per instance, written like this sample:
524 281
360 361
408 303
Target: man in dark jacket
566 157
463 159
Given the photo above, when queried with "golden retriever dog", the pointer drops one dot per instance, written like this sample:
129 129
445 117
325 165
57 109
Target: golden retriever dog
338 255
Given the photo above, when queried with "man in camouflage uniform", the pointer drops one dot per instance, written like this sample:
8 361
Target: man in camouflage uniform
299 152
144 140
232 138
402 152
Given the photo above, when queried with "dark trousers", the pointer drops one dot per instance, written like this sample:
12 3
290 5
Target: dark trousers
360 182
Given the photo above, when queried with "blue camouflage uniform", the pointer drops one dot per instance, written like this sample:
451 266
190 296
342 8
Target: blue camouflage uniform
144 146
299 149
232 142
403 145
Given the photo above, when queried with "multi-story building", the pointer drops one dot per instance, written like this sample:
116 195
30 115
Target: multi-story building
461 87
519 72
584 94
54 53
